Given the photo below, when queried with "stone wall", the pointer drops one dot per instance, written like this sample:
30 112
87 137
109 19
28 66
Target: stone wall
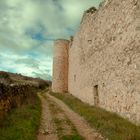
104 58
60 66
14 96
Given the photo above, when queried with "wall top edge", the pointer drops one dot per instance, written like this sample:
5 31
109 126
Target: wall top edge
61 40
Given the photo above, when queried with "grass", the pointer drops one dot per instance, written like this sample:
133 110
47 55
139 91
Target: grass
110 125
72 137
61 122
22 123
61 135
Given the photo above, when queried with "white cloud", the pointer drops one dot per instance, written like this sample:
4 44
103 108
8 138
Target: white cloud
26 65
45 20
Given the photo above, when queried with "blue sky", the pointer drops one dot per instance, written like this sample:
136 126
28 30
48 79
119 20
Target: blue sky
28 28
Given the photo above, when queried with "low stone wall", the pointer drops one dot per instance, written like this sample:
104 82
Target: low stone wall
14 95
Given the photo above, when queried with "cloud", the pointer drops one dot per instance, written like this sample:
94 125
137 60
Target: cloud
26 65
28 28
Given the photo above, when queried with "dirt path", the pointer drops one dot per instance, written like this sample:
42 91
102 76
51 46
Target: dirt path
81 125
58 120
47 129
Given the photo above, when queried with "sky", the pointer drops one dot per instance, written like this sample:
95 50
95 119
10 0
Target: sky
28 29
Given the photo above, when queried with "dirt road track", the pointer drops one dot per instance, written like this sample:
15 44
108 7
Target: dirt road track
81 125
48 127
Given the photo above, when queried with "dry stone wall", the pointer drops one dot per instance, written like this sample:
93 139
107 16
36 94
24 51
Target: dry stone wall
104 58
14 96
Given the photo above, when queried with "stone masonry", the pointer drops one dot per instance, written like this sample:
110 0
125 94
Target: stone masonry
104 58
60 66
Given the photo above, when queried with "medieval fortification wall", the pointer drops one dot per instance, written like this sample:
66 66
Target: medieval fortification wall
60 66
104 58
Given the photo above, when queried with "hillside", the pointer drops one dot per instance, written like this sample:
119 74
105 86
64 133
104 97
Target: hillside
14 78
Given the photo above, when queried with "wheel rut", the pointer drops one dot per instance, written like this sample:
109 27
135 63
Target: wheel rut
81 125
47 129
59 122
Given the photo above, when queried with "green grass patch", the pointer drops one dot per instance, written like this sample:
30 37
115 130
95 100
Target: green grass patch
22 123
110 125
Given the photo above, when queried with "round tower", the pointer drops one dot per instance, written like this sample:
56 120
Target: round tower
60 66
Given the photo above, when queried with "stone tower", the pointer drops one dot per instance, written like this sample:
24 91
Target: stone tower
60 66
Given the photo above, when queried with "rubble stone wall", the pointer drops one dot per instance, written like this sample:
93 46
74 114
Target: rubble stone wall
14 95
104 58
